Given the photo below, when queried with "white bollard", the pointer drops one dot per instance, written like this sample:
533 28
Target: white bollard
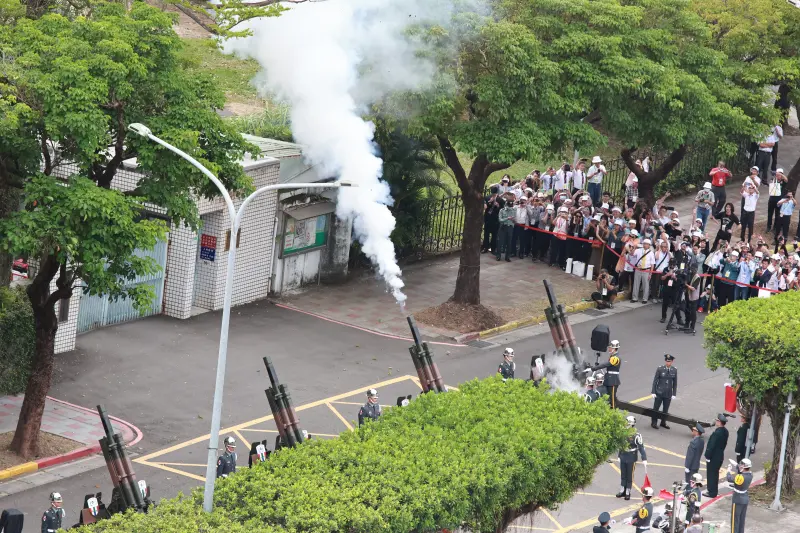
589 272
578 268
569 265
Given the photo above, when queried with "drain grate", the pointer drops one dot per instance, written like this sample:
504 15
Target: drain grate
480 344
594 312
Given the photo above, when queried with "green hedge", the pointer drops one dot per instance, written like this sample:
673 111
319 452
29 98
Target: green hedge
17 339
471 457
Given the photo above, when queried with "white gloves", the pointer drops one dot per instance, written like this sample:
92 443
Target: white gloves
627 521
686 470
644 463
674 397
653 395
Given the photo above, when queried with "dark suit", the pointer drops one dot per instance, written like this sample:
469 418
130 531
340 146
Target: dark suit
715 455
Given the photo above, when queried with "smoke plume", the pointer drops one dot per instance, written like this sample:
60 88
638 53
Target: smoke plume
329 61
558 371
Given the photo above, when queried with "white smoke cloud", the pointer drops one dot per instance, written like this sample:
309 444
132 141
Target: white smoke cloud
558 372
329 61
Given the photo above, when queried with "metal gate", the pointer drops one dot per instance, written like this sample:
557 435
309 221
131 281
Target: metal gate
98 311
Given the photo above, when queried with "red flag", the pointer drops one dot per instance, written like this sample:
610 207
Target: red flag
646 482
666 495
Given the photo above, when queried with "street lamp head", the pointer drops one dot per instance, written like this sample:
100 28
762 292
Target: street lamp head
346 183
140 129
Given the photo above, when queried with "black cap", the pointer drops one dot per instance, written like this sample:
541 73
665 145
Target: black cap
668 357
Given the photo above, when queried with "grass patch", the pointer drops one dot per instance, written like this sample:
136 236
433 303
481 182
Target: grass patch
230 73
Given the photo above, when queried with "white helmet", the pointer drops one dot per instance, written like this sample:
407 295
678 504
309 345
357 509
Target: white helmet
230 442
614 344
563 210
630 420
372 393
590 379
746 463
599 378
55 497
697 479
508 352
648 492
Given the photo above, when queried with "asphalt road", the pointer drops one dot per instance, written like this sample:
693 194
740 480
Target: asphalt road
158 374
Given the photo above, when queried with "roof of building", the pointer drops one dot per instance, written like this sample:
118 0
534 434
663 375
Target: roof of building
275 148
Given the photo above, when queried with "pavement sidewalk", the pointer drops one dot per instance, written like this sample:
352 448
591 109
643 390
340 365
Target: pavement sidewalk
66 420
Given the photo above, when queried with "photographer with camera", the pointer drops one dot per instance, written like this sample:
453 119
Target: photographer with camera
669 290
692 286
606 290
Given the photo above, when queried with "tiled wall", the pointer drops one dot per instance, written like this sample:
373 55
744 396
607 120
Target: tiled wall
65 335
179 282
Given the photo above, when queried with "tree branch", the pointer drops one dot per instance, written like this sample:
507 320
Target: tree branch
48 164
451 158
64 284
104 179
627 157
491 168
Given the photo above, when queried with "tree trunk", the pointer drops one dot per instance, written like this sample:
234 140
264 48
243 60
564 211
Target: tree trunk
777 412
36 8
794 177
468 282
649 180
26 437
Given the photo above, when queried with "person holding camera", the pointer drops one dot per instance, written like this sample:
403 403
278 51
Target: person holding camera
692 296
669 293
606 290
785 209
750 196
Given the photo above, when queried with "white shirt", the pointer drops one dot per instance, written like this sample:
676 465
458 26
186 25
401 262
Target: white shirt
521 216
750 201
774 136
597 172
662 260
644 259
578 179
752 180
561 179
547 181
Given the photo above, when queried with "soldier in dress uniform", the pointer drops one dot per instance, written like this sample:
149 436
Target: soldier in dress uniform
715 454
591 394
741 498
371 409
605 523
665 389
613 364
694 452
598 384
507 367
51 519
693 495
226 464
627 460
642 517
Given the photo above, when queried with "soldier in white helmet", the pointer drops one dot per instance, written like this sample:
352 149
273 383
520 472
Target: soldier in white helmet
627 460
741 498
507 367
642 517
693 495
51 519
370 410
612 366
226 464
591 394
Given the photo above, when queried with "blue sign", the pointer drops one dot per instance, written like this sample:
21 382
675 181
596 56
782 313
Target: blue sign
207 253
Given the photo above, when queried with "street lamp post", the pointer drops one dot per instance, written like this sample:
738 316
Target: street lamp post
236 219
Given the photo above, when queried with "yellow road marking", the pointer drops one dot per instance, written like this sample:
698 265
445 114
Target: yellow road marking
662 450
643 398
241 438
338 414
615 467
416 380
173 470
353 403
181 464
261 430
595 494
553 520
533 528
670 466
244 425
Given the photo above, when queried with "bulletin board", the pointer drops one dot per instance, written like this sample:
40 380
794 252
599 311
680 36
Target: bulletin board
304 235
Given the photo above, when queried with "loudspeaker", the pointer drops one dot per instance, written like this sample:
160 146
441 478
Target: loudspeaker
601 337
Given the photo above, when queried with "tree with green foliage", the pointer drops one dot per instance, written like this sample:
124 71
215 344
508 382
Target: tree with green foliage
543 74
412 169
17 339
476 458
758 340
73 88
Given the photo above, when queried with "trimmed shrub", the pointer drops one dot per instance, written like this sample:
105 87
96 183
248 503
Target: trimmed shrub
478 457
17 340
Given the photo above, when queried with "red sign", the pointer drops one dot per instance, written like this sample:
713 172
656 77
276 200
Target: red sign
208 241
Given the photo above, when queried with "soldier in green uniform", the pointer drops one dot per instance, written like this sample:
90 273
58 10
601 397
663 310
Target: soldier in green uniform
664 390
51 519
741 498
715 454
612 367
642 517
693 494
627 460
591 394
507 367
370 410
226 464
